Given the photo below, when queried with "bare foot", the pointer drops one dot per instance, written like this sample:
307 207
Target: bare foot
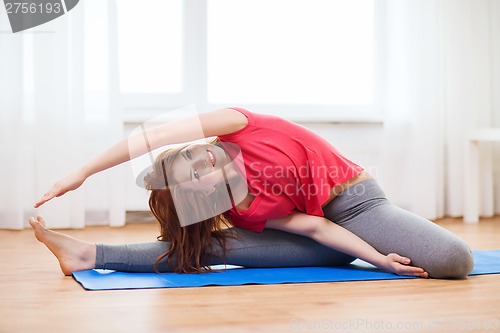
73 254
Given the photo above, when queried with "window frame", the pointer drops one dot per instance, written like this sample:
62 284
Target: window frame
140 107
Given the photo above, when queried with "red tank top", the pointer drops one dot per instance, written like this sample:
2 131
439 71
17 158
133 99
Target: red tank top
288 168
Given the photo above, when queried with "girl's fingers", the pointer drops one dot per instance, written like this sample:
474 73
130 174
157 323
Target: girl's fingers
399 259
403 260
43 200
411 270
39 203
414 271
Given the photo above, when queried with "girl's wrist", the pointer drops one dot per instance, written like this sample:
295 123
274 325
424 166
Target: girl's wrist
380 261
84 172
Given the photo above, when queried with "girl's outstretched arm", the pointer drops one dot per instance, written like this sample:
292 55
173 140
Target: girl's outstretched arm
214 123
334 236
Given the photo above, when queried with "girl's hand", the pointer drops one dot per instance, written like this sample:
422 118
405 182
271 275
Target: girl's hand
401 265
69 183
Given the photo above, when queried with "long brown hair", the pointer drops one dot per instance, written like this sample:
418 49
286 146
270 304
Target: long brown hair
191 245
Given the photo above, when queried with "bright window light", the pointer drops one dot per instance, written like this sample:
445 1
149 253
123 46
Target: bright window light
150 45
291 51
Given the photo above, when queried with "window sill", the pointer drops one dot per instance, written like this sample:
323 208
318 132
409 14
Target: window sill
296 114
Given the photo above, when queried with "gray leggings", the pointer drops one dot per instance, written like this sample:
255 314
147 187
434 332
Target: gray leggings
362 209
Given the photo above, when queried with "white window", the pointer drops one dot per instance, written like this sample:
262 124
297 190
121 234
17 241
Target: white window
316 58
290 51
150 41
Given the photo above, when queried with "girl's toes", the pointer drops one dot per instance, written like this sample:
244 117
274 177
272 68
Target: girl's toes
32 222
41 220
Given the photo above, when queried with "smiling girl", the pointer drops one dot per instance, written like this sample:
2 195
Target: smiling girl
289 199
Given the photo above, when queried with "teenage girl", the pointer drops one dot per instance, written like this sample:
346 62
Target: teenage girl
303 204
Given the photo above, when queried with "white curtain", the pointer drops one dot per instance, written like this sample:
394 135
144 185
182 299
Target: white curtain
443 79
59 105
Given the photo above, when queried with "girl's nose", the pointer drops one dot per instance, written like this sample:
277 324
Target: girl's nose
200 162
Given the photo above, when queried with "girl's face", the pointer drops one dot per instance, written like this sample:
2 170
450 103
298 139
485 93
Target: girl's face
198 166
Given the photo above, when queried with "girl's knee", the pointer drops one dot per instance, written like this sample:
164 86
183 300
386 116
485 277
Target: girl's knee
456 262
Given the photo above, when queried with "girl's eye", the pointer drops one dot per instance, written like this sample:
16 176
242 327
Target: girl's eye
188 154
196 174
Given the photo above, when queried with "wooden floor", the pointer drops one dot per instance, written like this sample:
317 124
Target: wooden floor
36 297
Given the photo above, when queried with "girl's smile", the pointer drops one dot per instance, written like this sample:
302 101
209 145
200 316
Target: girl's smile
200 166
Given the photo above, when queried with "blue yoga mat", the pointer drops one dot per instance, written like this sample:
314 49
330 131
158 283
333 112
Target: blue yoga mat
486 262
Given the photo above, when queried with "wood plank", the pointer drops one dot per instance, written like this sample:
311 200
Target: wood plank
35 296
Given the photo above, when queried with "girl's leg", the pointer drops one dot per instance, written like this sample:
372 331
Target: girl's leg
275 248
365 211
270 248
